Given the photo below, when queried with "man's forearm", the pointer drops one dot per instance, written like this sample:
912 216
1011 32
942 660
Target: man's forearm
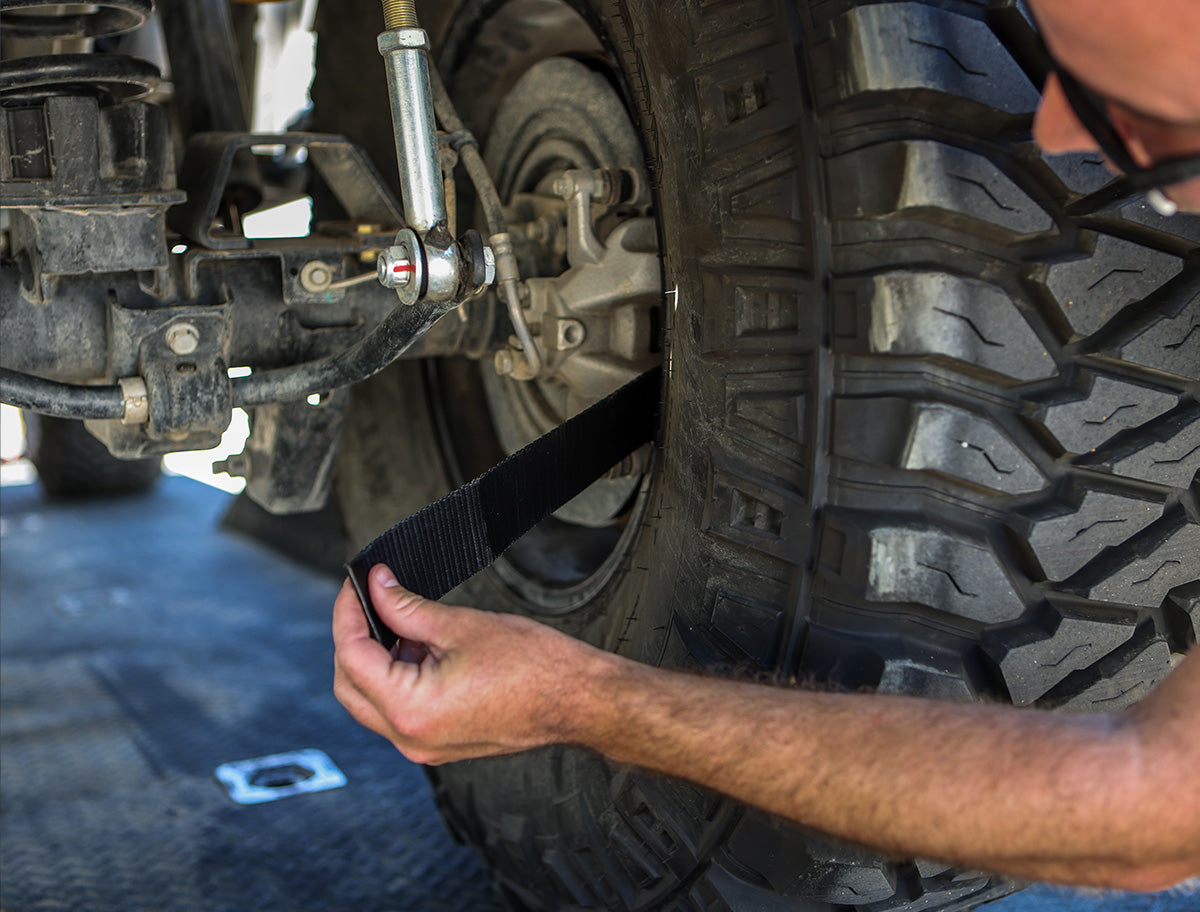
1105 800
1038 795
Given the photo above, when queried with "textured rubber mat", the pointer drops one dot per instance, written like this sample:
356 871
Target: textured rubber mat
140 649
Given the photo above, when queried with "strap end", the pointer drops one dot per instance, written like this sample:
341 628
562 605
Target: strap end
379 630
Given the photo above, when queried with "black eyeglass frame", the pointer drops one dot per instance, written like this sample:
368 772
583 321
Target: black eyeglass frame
1092 111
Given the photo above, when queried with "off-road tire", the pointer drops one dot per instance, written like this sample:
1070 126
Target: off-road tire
71 463
922 432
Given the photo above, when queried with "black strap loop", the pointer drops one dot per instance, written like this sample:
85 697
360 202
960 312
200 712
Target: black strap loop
451 540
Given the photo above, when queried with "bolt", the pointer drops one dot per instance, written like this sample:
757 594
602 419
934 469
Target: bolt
394 268
183 338
237 465
316 276
504 362
571 334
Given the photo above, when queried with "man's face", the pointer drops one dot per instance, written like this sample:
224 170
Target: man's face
1143 58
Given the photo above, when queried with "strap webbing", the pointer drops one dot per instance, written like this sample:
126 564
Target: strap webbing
451 540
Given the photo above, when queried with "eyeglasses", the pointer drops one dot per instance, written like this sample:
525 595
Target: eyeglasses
1092 110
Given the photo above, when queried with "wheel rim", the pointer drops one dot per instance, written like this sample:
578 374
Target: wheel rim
565 561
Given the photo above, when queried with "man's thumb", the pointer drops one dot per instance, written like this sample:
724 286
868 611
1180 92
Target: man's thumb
406 613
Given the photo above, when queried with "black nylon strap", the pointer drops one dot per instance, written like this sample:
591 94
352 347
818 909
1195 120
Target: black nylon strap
451 540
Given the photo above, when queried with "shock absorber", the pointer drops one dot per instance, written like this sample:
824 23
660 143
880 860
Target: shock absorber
405 49
87 168
426 264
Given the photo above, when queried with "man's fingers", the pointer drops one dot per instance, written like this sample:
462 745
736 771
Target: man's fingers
359 659
349 623
360 708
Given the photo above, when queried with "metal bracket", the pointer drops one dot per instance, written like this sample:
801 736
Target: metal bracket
343 166
289 458
181 355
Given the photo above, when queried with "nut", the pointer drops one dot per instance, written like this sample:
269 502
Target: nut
394 268
401 39
183 338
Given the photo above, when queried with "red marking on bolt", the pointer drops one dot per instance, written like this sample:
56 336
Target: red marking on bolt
403 267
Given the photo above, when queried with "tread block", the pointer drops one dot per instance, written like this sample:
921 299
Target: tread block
770 410
898 46
1147 580
872 429
932 437
1123 679
847 874
955 442
1082 173
1066 542
1183 611
1170 343
832 872
933 313
1110 406
711 21
835 658
735 893
753 626
1174 461
960 895
659 817
929 867
736 109
768 519
765 204
912 177
911 676
1035 659
1093 289
945 573
769 313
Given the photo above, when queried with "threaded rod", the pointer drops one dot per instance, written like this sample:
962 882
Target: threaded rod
399 14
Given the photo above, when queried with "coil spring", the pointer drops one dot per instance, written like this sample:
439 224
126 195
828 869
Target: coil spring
112 77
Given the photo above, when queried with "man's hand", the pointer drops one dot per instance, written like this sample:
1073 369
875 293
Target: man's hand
460 683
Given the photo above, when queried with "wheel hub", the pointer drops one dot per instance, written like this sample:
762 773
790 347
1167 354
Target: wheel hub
592 289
